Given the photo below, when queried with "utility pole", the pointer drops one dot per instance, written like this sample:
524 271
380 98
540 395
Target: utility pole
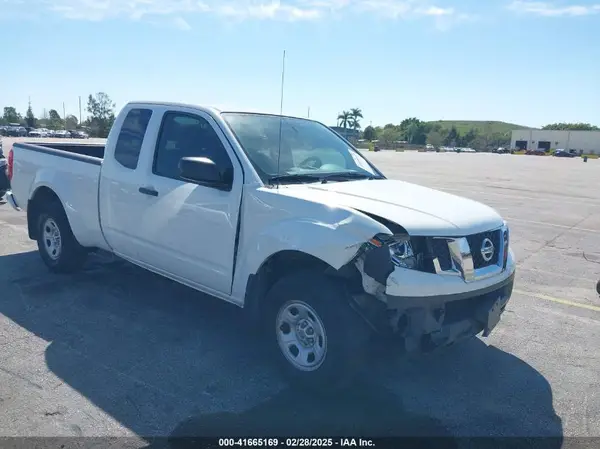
64 116
309 112
80 110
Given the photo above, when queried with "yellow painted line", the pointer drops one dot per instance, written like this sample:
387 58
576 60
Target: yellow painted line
558 300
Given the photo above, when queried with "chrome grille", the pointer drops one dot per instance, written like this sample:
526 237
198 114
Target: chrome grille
475 242
440 250
463 256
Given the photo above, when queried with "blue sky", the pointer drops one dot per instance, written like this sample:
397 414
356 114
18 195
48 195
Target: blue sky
525 62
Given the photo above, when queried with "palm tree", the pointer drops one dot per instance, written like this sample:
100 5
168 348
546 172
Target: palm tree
355 115
344 119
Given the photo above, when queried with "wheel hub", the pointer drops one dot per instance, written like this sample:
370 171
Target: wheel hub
52 239
305 332
301 335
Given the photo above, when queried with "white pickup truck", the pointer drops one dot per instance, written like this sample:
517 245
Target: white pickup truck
280 216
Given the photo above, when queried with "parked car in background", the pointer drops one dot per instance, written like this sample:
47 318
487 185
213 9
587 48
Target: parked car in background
502 150
565 153
15 130
61 134
536 152
4 184
36 133
79 134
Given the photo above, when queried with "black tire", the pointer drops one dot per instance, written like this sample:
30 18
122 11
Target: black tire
598 287
347 336
71 255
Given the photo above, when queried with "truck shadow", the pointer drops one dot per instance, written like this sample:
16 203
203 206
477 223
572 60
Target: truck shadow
162 359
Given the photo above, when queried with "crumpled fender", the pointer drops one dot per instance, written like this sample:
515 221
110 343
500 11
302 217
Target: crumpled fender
275 222
335 239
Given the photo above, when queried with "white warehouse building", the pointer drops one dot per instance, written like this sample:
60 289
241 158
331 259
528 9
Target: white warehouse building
587 142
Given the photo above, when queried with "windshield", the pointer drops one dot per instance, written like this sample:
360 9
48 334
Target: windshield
307 148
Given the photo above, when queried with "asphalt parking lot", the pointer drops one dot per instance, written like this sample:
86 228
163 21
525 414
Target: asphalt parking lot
117 351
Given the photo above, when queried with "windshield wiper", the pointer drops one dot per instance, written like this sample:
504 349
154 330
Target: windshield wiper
347 177
297 178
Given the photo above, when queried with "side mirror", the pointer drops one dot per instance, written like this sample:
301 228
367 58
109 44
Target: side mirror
203 171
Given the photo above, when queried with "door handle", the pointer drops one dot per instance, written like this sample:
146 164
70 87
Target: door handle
148 191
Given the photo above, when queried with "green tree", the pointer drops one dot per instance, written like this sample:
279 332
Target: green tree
481 143
29 117
355 116
369 133
343 119
452 137
414 130
571 127
71 122
389 137
54 120
467 139
11 115
102 114
435 138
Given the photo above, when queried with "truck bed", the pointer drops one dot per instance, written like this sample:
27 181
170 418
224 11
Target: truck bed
72 171
77 151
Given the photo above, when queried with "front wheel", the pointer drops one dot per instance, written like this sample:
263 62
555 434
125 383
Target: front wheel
320 342
58 247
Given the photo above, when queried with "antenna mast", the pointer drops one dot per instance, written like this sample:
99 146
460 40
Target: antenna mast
282 83
281 113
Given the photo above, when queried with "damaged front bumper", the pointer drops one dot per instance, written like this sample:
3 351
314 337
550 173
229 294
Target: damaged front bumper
427 310
426 323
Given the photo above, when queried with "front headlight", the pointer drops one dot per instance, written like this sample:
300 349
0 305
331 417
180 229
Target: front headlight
401 250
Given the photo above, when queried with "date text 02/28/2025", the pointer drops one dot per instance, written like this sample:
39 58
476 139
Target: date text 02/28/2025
295 442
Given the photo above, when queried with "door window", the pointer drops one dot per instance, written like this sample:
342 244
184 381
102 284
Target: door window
187 135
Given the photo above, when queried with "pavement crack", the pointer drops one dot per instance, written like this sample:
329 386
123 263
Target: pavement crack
23 378
556 237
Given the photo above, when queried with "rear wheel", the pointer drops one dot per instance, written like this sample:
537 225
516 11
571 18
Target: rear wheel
57 245
320 342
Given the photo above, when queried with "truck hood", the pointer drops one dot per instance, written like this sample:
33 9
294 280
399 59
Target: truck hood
420 210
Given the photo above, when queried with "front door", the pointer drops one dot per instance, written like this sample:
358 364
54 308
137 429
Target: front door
189 230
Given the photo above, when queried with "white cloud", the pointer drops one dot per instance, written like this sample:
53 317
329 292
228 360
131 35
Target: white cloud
174 11
546 9
437 12
181 24
267 10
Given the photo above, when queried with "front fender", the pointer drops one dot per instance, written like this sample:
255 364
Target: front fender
274 222
334 241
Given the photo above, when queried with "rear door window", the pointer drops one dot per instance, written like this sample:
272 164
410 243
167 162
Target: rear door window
131 137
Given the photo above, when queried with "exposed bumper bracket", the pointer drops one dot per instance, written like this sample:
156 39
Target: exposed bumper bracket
12 201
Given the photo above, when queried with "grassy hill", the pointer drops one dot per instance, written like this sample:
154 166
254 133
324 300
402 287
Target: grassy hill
483 127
